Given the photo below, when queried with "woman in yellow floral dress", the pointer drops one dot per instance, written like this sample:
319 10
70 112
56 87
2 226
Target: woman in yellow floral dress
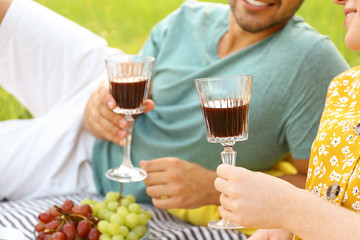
329 208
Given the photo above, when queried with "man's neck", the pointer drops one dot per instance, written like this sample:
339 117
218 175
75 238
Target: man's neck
237 38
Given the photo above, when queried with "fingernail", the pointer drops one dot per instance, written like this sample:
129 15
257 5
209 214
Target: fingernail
122 123
122 134
111 104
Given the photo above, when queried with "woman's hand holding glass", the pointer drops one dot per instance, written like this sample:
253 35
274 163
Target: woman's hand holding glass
254 199
100 119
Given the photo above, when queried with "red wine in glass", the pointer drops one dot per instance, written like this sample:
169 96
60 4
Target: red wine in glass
129 94
226 121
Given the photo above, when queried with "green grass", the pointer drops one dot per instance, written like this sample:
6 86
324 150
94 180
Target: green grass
126 24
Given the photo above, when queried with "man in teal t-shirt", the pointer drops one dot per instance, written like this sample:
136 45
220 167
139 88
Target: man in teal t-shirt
291 63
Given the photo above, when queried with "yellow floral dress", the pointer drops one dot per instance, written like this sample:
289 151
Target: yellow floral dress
334 172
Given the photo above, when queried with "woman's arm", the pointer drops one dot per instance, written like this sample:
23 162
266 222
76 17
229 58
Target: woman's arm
312 217
257 200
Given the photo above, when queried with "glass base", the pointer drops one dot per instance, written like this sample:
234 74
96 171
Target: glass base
126 174
223 224
129 111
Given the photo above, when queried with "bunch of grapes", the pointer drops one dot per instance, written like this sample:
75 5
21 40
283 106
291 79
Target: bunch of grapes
120 217
68 222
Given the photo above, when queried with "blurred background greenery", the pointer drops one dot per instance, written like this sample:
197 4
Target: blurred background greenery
126 24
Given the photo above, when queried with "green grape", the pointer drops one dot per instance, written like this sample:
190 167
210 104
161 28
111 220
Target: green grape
112 206
124 202
131 220
144 229
95 209
103 226
112 196
117 237
132 236
148 214
101 205
108 215
131 198
123 231
139 231
102 214
119 221
98 207
113 229
86 201
105 214
122 211
105 237
134 207
143 219
116 218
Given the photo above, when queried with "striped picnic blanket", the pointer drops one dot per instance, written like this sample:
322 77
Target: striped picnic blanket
22 215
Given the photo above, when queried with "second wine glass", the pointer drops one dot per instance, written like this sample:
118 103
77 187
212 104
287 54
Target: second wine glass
129 79
225 106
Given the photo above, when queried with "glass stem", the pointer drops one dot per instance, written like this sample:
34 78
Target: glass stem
127 148
228 156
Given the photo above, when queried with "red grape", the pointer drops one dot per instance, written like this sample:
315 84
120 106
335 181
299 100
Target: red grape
69 230
83 228
41 235
54 212
40 227
80 211
52 225
94 234
47 237
70 222
67 205
58 236
45 217
87 208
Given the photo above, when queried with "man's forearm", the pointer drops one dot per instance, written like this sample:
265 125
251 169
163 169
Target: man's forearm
297 180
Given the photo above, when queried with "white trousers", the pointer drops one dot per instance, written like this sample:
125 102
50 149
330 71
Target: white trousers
51 65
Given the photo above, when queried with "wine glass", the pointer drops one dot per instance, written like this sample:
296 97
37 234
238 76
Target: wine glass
225 106
129 78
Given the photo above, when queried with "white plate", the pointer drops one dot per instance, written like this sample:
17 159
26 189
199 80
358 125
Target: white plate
8 233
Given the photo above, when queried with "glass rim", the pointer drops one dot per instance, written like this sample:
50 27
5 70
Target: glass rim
118 57
220 77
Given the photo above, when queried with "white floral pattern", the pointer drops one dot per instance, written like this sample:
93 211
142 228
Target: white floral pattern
336 150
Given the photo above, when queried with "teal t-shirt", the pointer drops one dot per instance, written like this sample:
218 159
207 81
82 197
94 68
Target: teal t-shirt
291 71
